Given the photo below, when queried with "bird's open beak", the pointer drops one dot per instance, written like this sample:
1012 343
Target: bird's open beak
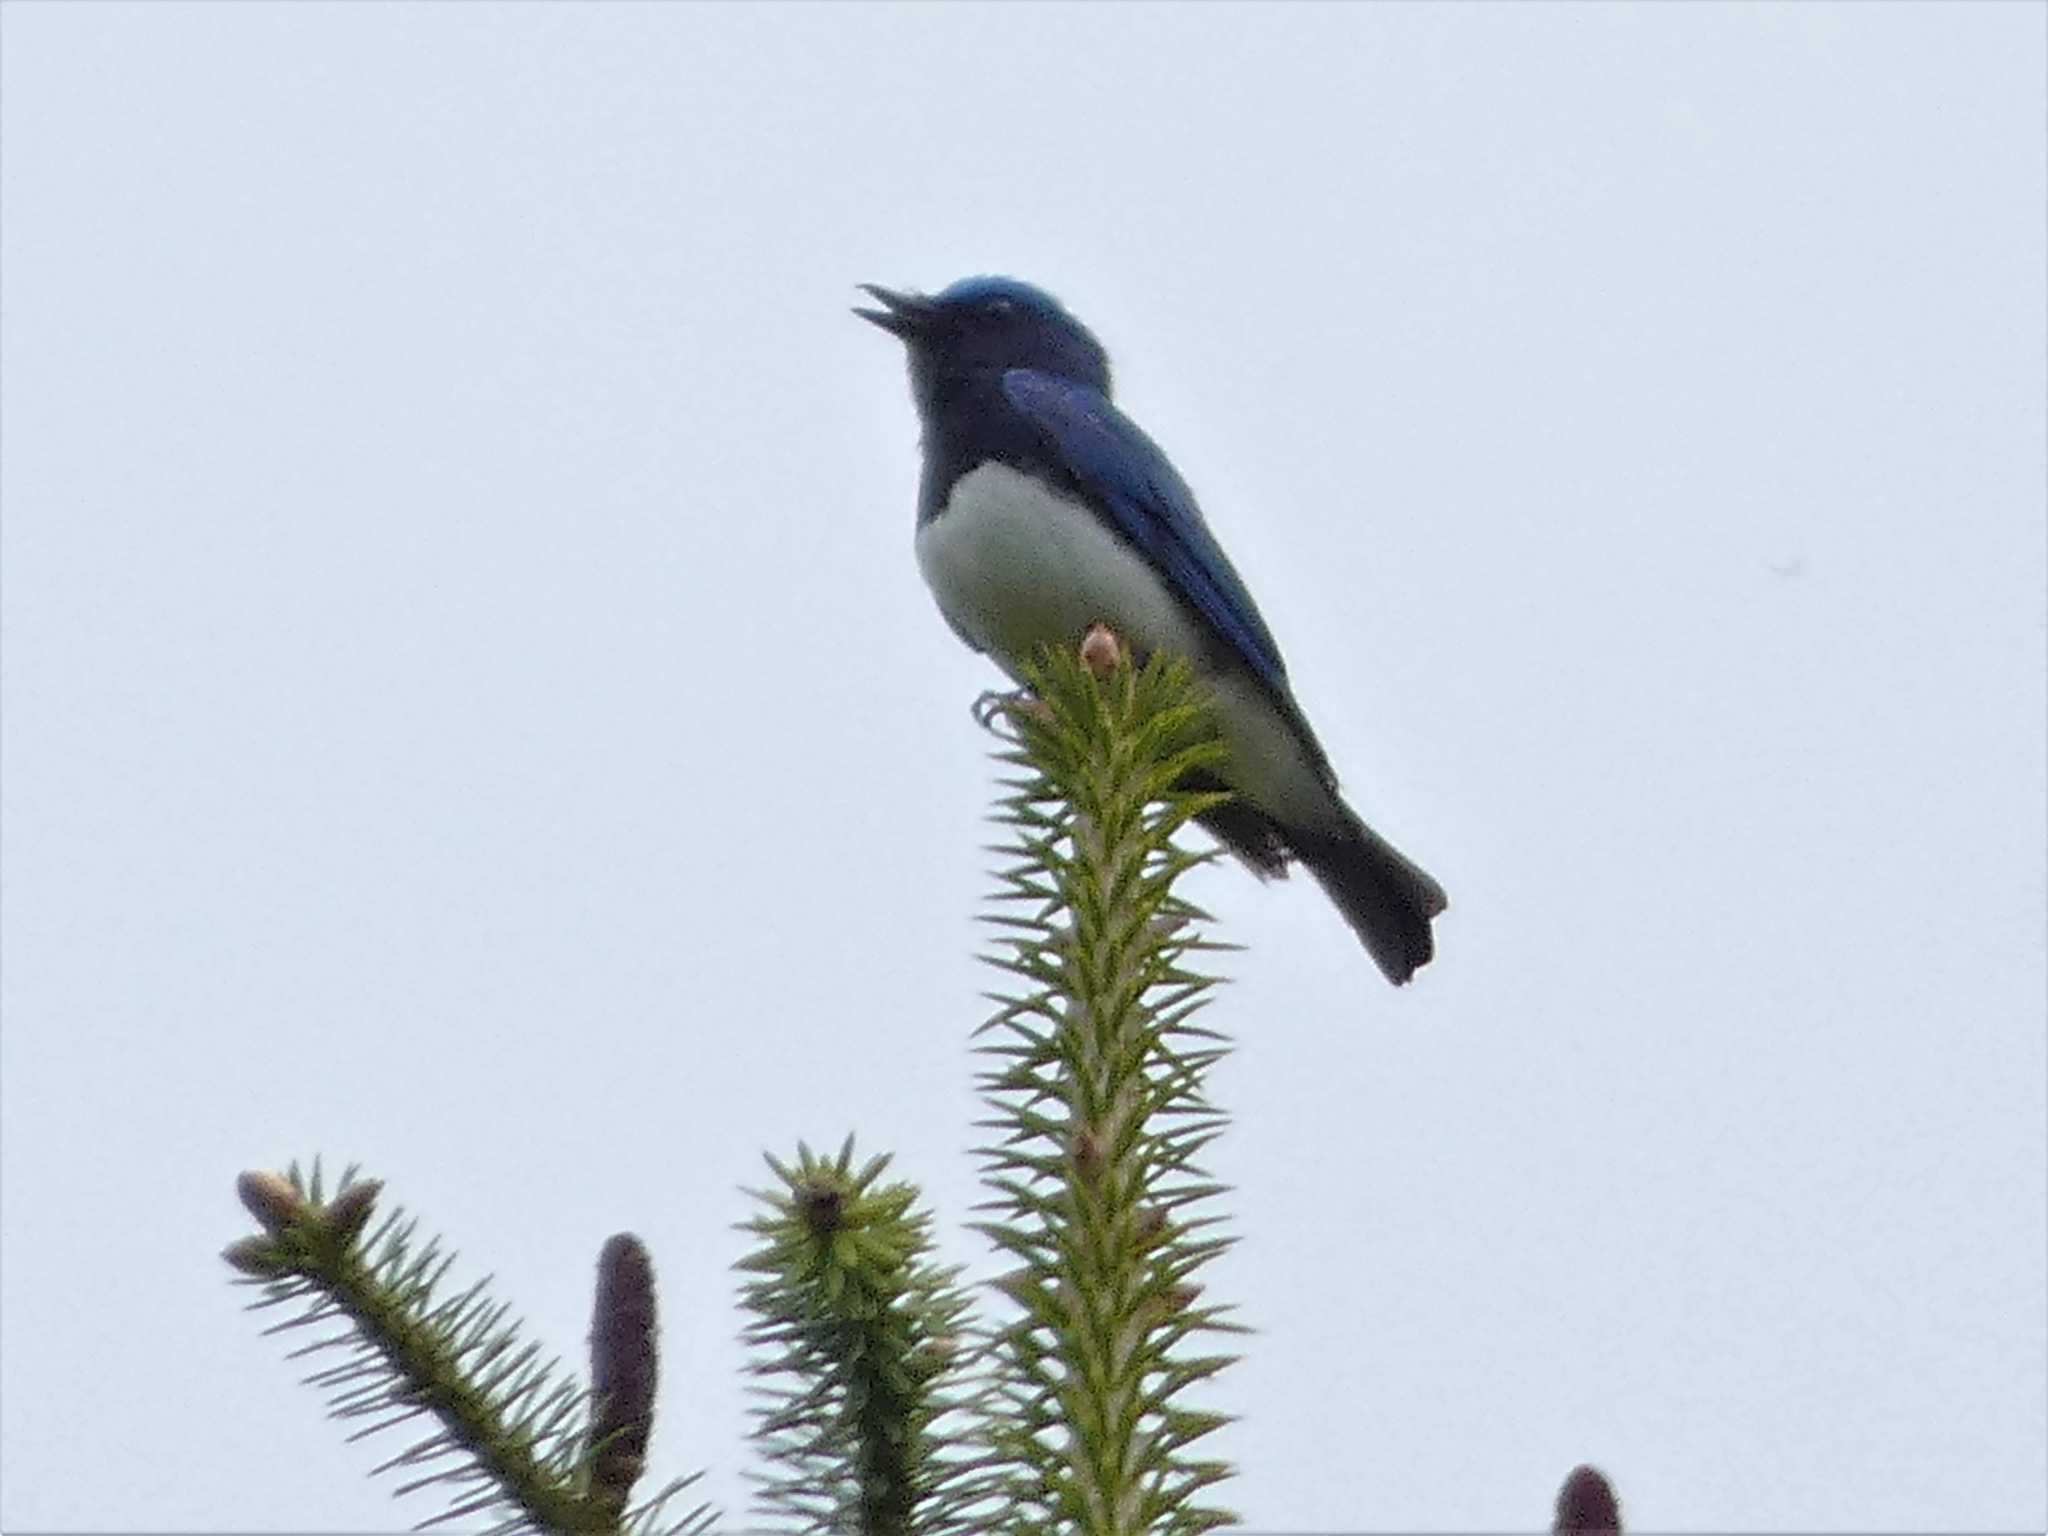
902 314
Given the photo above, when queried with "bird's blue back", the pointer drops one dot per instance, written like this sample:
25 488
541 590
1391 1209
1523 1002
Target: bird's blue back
1107 458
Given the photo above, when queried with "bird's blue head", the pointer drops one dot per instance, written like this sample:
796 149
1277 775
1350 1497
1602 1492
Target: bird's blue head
980 327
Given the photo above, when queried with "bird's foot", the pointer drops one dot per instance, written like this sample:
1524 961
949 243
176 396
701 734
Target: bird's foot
994 708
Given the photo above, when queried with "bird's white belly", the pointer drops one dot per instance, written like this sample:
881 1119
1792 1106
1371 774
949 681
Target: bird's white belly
1015 566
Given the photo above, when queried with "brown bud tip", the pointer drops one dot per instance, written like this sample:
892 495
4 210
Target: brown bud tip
270 1198
1151 1224
1090 1153
346 1214
1020 1285
1101 650
1586 1505
933 1356
821 1206
256 1256
623 1365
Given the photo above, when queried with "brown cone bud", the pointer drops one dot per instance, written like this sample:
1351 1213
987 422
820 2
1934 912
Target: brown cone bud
270 1198
623 1365
1586 1505
256 1256
1101 650
346 1214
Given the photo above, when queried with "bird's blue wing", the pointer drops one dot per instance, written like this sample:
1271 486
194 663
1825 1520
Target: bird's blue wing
1117 467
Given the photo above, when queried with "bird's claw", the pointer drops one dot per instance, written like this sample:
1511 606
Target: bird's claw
993 709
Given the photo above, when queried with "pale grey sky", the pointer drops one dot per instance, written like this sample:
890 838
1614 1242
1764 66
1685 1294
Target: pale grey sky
470 707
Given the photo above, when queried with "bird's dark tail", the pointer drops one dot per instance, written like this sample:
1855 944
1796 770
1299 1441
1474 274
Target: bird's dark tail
1387 899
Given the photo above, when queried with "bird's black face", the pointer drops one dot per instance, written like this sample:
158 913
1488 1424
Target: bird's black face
982 326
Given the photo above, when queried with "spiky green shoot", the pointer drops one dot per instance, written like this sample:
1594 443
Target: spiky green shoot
1100 1114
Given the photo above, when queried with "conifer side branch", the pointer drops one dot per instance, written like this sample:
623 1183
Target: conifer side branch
515 1439
859 1338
